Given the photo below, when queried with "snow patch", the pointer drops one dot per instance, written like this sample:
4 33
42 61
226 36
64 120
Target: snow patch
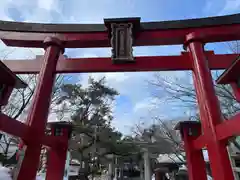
5 174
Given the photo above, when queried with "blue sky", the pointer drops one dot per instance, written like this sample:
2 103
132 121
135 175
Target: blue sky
136 101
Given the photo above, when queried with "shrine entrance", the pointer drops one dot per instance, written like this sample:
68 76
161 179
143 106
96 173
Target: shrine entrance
122 34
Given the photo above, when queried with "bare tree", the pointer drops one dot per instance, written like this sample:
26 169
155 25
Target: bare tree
163 136
180 93
18 102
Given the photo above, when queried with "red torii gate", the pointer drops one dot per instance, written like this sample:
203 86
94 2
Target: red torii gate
121 35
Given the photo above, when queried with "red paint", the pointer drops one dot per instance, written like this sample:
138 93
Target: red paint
200 142
5 95
20 130
7 124
190 131
8 81
231 74
215 131
57 156
228 128
52 142
210 110
37 118
195 161
147 63
56 163
145 38
160 175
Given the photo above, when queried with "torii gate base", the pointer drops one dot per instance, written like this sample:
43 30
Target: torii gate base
213 132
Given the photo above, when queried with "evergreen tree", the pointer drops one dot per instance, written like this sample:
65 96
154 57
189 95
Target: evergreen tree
91 114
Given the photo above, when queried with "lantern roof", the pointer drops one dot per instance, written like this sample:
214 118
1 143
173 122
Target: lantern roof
10 78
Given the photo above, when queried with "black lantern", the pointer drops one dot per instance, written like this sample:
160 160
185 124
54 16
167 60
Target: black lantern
58 128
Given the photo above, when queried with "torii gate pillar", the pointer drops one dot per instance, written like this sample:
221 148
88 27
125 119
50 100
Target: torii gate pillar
37 118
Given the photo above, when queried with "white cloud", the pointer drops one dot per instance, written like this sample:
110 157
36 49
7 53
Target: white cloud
124 123
148 104
221 7
230 6
48 4
11 53
3 5
208 6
